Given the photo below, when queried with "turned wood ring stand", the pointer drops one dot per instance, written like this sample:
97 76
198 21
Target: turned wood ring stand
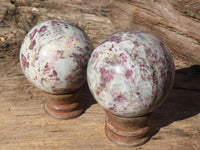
127 131
65 106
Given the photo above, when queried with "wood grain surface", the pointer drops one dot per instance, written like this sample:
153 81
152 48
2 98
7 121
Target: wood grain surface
25 126
175 22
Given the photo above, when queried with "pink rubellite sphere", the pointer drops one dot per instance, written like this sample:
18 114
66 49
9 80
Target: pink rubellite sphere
130 73
54 56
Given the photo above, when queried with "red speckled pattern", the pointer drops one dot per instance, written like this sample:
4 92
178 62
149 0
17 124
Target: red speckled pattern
54 56
130 73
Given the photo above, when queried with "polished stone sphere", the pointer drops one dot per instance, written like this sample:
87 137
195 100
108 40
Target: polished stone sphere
54 56
130 73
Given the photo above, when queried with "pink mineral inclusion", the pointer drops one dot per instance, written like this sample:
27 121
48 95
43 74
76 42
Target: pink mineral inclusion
42 29
31 46
106 76
33 34
25 63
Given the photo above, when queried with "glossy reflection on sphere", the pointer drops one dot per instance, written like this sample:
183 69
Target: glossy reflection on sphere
54 56
130 73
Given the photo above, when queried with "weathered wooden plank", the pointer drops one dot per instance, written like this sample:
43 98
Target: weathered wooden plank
175 22
23 122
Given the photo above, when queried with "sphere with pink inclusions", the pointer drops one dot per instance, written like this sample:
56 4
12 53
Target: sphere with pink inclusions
130 73
54 56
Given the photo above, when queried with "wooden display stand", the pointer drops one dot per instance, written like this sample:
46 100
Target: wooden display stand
128 131
64 106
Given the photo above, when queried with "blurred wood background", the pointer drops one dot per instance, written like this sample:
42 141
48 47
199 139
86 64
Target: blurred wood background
24 124
175 22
